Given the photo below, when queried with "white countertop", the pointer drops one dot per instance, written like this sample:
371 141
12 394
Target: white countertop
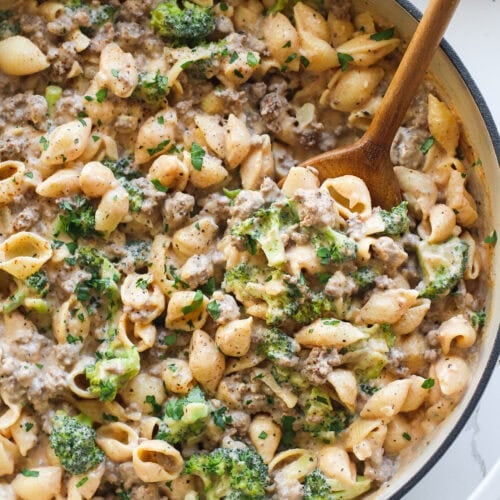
475 36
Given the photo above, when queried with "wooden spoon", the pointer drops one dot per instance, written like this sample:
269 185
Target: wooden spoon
369 157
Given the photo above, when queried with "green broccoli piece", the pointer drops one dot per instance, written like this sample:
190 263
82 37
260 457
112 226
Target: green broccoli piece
284 375
98 16
152 89
188 24
113 369
478 318
333 247
123 167
318 487
30 294
316 306
277 346
73 442
124 171
442 265
140 251
285 301
280 5
364 278
77 219
368 357
8 27
263 230
104 280
185 419
321 419
396 220
235 474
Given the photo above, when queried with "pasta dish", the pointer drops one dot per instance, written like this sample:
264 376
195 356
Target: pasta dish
187 313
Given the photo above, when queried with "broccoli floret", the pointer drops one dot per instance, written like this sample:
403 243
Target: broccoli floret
152 89
321 419
73 442
263 230
442 265
77 219
316 306
396 220
140 251
286 5
123 167
364 278
235 474
124 171
104 279
97 15
277 346
478 318
30 294
188 24
333 247
112 370
284 375
8 27
185 418
285 301
318 487
368 357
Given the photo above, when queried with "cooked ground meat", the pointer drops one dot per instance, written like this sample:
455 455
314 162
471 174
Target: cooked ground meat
177 209
319 364
315 207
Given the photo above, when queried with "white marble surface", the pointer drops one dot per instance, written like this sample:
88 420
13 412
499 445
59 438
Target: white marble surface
475 36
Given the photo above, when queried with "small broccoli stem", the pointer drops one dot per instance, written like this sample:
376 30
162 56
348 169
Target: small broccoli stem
14 302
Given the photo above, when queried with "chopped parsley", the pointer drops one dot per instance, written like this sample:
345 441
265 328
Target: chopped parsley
221 420
158 148
263 435
101 95
427 145
73 340
44 142
195 304
197 155
159 186
214 309
252 60
344 60
150 399
170 340
406 436
383 35
428 383
234 57
305 61
109 418
82 481
492 238
30 473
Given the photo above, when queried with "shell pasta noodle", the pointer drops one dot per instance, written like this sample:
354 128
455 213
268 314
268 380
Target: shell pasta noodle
185 312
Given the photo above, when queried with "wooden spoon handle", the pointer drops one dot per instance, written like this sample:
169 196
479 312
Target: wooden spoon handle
410 73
